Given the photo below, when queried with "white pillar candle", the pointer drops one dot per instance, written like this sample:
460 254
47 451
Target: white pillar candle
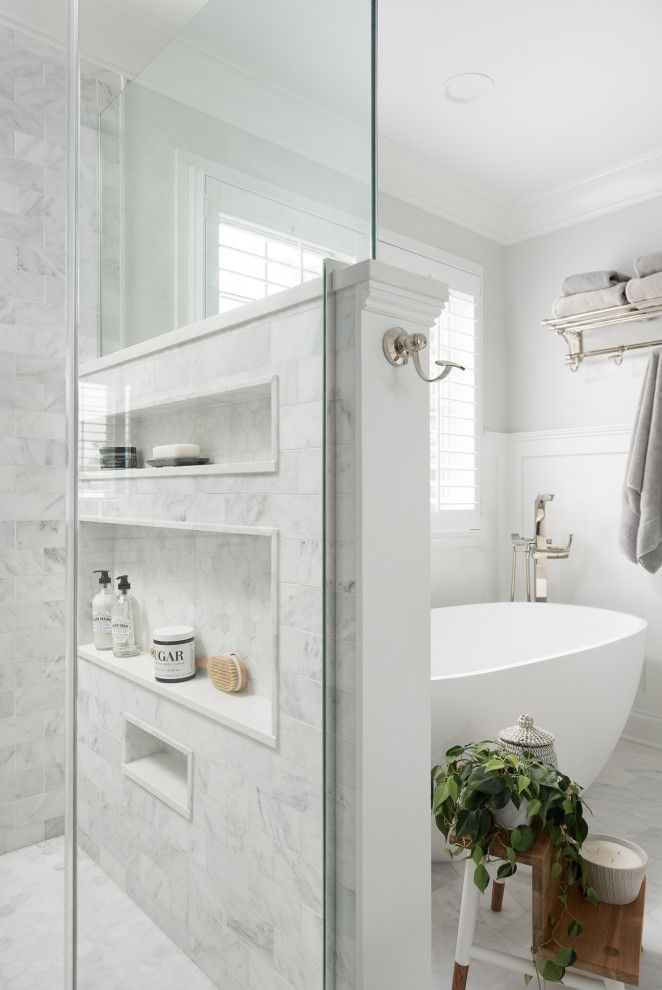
604 852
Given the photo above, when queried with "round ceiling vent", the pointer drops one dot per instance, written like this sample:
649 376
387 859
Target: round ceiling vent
468 87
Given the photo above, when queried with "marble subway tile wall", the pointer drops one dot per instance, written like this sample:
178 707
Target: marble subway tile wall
239 887
32 426
32 433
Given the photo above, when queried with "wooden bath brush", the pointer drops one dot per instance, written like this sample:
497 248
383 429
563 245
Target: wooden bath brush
228 672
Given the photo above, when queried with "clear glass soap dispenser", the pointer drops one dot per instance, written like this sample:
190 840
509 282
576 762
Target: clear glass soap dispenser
125 621
102 607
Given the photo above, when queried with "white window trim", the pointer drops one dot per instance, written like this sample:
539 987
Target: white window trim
191 280
452 523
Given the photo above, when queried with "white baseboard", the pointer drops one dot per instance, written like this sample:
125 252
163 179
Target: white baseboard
644 728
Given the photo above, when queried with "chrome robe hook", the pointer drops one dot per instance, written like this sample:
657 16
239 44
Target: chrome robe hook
399 346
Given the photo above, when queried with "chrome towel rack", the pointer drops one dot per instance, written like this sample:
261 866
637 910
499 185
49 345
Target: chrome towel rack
572 329
399 346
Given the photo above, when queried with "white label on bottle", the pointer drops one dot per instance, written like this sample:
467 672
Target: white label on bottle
173 661
123 634
102 621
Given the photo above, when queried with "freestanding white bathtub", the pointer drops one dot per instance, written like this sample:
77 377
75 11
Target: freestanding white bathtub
575 669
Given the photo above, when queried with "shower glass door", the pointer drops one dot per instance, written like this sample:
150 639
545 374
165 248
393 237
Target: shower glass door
222 165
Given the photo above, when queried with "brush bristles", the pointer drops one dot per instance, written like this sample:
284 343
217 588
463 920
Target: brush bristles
227 673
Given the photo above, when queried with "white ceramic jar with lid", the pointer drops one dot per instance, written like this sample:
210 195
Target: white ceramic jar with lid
174 653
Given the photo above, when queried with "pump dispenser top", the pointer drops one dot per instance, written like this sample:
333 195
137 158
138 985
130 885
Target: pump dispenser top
123 582
105 578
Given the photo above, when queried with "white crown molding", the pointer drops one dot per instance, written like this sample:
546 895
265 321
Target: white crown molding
634 181
425 185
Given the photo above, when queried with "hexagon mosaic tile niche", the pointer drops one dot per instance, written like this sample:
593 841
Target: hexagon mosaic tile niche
219 583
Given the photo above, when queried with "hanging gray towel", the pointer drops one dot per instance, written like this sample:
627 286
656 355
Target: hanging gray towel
585 302
641 518
640 291
648 264
590 281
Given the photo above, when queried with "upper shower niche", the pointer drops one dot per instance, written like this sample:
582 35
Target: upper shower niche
235 162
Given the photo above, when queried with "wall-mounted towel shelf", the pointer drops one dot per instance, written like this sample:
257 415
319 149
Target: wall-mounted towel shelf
572 329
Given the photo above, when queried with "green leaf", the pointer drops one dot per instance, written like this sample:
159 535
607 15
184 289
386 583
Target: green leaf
453 787
556 871
440 794
522 783
550 970
494 764
565 956
467 823
491 785
481 877
526 838
533 808
477 853
454 751
592 896
510 853
527 979
505 870
574 929
515 839
484 823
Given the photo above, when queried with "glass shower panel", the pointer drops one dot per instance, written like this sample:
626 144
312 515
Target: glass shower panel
237 159
230 172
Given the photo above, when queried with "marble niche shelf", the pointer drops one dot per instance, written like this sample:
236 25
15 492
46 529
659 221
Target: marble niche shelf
249 714
108 416
253 715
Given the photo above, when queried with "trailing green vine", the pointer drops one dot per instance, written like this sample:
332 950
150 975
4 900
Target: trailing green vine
469 796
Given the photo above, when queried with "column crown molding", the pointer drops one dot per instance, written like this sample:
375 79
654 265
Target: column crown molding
389 291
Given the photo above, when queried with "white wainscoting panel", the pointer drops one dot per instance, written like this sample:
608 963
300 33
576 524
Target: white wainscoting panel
584 468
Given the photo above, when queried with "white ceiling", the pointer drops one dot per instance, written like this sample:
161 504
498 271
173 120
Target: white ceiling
578 84
572 123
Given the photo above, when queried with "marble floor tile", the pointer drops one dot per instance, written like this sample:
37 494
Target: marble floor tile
625 800
120 947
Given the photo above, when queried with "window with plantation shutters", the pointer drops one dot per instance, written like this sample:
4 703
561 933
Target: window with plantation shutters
454 417
455 406
255 262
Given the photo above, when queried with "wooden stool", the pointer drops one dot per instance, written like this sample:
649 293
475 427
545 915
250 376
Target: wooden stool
609 946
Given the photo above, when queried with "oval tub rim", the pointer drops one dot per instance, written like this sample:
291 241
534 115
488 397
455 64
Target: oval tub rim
641 626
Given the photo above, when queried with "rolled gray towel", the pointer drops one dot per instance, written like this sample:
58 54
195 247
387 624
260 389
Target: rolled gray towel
585 302
591 281
644 290
648 264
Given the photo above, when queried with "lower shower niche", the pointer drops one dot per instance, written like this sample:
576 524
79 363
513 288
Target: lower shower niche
159 764
219 579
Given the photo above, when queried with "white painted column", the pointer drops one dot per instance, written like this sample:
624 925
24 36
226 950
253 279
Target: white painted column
393 631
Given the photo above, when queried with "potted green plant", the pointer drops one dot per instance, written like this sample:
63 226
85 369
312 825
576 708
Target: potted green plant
479 787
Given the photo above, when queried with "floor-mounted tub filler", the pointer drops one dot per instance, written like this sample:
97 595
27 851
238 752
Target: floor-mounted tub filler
575 668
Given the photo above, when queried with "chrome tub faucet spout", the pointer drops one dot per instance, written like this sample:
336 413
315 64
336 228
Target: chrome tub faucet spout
537 551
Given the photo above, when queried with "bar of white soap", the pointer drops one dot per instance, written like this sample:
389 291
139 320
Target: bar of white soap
170 450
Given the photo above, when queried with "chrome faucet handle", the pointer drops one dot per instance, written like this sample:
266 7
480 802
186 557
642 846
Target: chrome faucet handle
560 553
